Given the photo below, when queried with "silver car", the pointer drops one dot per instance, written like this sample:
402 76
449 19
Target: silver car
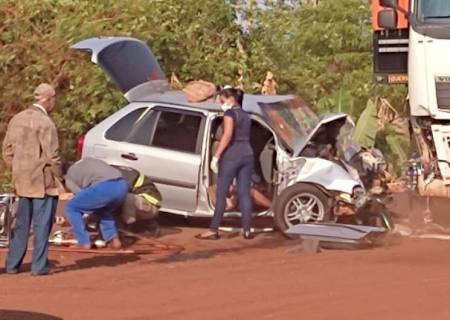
166 137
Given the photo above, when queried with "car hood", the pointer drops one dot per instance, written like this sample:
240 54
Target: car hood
290 117
129 63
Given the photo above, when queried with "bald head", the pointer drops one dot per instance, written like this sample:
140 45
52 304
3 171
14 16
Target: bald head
43 91
45 94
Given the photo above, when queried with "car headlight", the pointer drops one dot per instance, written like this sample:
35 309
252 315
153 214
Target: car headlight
345 197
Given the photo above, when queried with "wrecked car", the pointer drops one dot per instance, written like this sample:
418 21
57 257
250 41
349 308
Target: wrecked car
169 139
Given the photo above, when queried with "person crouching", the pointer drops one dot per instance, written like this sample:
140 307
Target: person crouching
99 189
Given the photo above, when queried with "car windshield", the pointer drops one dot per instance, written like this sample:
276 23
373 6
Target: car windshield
292 120
434 11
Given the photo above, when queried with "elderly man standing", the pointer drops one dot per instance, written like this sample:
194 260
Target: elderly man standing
30 148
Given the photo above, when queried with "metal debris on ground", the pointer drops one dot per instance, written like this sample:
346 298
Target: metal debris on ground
313 234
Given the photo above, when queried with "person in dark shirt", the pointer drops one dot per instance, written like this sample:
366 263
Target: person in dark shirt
233 158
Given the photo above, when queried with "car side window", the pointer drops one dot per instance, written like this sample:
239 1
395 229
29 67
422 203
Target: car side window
120 130
142 133
178 131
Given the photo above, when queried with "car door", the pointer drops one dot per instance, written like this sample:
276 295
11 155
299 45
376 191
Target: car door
129 63
165 143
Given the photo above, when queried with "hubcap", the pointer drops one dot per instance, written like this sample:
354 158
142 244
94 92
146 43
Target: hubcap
303 208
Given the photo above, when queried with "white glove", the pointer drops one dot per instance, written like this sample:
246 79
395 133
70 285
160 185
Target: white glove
214 165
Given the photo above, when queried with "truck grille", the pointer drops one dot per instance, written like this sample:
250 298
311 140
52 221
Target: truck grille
443 95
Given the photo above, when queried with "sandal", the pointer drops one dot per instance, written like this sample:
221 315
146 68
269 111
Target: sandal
212 236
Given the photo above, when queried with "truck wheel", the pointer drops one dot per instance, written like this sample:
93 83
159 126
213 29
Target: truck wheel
301 203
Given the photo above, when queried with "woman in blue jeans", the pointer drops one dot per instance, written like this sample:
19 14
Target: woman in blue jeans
233 159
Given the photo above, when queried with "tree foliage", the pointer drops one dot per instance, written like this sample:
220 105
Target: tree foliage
321 50
189 38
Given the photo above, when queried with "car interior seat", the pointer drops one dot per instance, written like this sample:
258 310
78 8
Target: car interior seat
266 159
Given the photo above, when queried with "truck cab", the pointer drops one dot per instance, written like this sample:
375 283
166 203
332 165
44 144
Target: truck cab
412 46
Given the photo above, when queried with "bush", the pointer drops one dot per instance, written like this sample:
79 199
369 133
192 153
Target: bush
196 41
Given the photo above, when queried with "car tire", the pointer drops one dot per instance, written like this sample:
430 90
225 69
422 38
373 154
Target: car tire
289 201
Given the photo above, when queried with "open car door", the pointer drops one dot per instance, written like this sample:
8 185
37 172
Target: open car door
129 63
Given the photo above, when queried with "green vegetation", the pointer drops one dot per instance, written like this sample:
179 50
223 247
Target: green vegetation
319 49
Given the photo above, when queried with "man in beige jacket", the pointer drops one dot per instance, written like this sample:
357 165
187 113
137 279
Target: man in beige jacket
30 149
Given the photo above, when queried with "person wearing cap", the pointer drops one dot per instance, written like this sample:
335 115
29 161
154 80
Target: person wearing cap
30 149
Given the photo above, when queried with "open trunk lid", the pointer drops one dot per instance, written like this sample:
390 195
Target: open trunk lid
129 63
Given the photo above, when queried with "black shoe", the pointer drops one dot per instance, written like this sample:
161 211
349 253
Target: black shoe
40 274
248 235
213 236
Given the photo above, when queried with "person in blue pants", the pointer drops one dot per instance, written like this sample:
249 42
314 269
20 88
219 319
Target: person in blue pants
39 213
99 189
232 159
30 150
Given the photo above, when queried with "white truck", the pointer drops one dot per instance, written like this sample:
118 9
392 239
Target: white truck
412 46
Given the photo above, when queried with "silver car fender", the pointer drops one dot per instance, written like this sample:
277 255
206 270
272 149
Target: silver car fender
324 173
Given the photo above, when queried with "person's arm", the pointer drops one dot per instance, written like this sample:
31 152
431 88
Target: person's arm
228 128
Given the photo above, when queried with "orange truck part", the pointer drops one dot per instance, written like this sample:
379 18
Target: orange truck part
402 21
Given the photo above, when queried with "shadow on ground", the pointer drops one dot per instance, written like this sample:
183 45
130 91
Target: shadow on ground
97 261
25 315
85 263
170 221
261 241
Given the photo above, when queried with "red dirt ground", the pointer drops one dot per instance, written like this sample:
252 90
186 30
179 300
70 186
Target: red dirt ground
238 279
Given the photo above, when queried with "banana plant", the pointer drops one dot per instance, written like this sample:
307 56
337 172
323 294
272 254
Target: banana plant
367 125
389 134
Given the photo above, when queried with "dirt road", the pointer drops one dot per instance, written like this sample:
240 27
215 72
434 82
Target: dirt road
239 279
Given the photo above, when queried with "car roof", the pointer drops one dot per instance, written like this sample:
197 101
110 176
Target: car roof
250 102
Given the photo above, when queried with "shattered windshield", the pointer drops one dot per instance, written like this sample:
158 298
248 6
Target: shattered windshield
292 120
433 11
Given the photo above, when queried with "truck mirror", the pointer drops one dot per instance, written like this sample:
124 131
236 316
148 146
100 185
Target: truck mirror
387 19
389 3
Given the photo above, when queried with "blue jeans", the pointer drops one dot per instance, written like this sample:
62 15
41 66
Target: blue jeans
40 212
242 169
102 198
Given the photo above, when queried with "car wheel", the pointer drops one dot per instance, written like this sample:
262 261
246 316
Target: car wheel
301 203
